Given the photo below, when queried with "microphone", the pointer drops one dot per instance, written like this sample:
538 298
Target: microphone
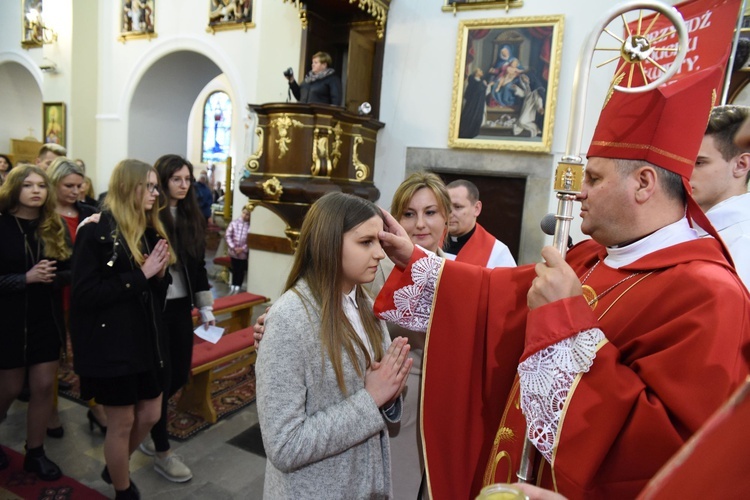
548 223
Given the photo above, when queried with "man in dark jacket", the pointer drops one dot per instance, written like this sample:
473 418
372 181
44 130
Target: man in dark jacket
205 196
321 85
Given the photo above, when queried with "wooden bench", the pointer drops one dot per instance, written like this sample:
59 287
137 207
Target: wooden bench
239 307
233 352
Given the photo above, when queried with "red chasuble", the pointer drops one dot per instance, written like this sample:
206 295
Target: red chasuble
478 249
672 355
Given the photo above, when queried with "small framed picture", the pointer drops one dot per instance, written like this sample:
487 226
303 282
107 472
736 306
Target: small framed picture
53 123
230 15
31 23
137 19
505 83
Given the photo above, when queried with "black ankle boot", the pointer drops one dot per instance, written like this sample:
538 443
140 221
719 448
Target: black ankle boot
108 479
4 462
38 463
131 493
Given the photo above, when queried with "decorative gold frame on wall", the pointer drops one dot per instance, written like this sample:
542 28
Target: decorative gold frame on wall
234 24
27 37
480 4
497 27
146 34
54 131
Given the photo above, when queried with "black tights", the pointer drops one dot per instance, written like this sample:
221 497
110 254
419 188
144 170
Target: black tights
177 353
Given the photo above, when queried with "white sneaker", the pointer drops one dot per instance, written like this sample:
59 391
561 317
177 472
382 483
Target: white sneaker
148 447
172 468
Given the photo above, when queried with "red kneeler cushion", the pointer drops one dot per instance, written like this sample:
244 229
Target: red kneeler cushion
233 300
223 261
205 352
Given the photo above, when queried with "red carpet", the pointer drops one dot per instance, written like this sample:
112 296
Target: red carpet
15 484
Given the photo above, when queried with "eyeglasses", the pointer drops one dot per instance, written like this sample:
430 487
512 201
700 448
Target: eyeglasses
152 188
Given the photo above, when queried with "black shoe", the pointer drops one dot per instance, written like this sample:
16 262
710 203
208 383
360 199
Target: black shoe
4 462
94 422
57 432
64 385
108 479
131 493
43 467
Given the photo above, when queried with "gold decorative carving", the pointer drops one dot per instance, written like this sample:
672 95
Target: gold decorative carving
336 154
282 124
362 170
273 188
252 163
568 177
378 9
320 153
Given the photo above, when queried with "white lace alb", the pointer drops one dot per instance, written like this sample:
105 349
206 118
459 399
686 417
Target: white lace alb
546 378
414 301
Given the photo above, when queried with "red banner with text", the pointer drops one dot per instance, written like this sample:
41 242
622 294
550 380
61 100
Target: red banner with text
710 25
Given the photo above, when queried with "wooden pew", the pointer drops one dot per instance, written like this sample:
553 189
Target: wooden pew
234 351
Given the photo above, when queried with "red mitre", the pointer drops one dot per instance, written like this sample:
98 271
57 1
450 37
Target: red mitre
664 126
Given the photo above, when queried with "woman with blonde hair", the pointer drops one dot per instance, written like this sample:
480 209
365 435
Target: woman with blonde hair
422 205
119 287
328 377
33 257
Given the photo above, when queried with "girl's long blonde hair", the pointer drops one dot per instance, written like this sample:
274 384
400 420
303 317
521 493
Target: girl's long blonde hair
51 231
318 261
125 201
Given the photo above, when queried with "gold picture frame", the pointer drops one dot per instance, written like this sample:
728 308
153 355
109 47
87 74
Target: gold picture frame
456 5
137 20
505 83
53 123
30 9
226 15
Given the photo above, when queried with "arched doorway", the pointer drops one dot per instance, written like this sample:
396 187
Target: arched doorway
20 104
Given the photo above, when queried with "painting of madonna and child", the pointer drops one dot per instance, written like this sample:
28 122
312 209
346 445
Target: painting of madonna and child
505 82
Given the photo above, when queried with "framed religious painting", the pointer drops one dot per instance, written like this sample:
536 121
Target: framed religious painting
505 83
31 10
230 15
456 5
137 18
53 123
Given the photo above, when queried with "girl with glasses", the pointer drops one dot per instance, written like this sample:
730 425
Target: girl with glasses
119 286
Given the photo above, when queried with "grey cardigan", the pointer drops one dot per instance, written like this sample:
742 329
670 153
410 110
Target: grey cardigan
319 442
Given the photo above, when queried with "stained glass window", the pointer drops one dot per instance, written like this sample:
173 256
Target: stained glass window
217 127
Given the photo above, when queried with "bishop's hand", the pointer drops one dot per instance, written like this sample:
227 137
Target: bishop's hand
395 241
555 280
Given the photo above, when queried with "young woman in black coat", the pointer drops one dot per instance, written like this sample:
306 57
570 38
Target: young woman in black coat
120 282
186 228
33 257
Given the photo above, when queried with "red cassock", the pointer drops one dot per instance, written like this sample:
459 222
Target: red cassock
672 355
478 249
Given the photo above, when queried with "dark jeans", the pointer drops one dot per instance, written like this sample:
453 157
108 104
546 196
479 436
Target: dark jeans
239 267
178 355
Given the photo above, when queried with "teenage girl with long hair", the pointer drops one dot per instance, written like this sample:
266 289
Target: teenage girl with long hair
119 287
32 260
328 376
186 227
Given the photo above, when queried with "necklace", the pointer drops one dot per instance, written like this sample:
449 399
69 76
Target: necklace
590 295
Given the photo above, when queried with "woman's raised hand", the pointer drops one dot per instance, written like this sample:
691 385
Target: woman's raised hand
386 379
156 263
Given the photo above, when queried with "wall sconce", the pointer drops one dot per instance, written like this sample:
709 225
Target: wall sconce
38 32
